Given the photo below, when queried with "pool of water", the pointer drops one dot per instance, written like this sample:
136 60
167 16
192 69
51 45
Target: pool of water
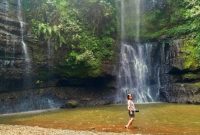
152 119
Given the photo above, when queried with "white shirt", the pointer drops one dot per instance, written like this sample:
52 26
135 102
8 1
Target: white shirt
131 105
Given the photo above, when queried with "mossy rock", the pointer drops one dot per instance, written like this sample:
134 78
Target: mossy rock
189 54
197 84
71 104
191 76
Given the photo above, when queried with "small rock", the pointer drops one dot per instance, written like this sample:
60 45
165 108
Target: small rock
71 104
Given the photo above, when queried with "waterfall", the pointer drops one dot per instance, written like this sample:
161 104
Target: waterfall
122 20
154 2
50 52
27 77
135 72
49 49
50 61
6 7
24 46
19 15
137 19
137 69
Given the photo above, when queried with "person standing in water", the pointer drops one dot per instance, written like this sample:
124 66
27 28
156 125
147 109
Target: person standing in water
131 110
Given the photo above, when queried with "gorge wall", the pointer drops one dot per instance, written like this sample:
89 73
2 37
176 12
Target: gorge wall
178 83
41 86
11 53
44 87
43 62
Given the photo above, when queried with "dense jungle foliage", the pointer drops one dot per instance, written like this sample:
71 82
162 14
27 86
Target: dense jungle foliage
88 29
177 19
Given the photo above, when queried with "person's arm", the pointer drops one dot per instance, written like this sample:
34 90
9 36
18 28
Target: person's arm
129 105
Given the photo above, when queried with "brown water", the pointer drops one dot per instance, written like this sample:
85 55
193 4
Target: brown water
152 119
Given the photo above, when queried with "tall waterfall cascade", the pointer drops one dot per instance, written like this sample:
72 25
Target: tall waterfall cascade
22 27
27 76
6 8
138 71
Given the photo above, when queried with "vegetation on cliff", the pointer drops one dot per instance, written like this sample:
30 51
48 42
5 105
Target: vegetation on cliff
178 19
86 28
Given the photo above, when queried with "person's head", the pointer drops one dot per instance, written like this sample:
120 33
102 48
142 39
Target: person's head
129 97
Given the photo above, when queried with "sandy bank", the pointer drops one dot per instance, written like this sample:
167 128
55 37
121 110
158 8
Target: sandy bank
27 130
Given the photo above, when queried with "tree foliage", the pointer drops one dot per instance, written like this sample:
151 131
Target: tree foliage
177 19
87 28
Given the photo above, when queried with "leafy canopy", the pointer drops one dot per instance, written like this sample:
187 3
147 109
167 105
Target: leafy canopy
86 28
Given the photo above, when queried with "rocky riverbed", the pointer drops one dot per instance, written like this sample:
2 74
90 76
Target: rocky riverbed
27 130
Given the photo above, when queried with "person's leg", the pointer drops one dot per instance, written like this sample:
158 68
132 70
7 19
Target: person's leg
129 123
132 121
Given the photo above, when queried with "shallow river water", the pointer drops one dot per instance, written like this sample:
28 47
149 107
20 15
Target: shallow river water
152 119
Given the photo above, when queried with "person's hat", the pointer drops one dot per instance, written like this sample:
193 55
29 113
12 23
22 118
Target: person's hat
129 94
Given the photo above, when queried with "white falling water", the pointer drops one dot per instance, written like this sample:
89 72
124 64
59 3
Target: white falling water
137 19
122 20
134 72
20 18
154 2
49 49
6 7
50 52
135 62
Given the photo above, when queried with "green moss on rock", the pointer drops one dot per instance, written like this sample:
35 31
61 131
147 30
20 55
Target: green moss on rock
188 53
197 84
191 76
71 104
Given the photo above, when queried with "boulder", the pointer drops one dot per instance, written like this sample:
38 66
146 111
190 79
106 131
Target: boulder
71 104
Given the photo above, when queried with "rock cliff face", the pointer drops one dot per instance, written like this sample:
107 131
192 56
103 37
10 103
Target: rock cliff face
54 97
39 85
14 74
12 63
178 84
